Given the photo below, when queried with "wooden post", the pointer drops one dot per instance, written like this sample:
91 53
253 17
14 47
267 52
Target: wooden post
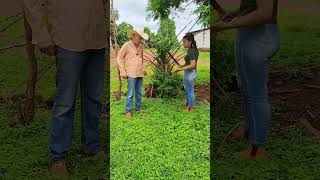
27 106
116 48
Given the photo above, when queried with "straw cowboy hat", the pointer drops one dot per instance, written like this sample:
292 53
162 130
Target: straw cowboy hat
140 32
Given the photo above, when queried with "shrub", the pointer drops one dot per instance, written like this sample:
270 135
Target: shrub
167 85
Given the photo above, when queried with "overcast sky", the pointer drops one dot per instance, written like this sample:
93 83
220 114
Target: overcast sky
134 12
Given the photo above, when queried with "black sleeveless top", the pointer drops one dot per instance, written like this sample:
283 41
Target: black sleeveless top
247 6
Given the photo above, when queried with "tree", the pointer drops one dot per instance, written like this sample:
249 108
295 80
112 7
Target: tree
165 81
122 29
152 37
166 40
147 30
162 9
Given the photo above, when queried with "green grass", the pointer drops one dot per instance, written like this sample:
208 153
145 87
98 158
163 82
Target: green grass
162 143
25 149
294 153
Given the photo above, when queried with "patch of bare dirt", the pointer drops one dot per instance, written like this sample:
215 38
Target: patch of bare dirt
296 99
202 93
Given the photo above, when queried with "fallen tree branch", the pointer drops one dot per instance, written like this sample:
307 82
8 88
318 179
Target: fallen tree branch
310 128
13 46
10 17
225 139
11 24
312 86
286 91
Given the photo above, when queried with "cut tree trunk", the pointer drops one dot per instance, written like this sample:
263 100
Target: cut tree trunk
27 106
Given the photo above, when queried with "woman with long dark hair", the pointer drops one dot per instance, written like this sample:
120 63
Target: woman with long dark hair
190 69
258 39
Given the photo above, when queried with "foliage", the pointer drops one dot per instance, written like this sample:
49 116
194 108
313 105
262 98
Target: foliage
167 85
161 9
165 41
122 30
204 12
163 142
152 37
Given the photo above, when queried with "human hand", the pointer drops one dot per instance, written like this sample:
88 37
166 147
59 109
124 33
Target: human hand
180 68
124 77
220 26
228 16
47 49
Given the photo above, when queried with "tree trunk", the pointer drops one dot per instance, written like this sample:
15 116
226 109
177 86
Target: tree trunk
27 106
116 48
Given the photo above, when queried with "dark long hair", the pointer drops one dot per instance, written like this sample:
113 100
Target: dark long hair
190 37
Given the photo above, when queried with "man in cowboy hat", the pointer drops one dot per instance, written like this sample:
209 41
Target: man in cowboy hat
131 66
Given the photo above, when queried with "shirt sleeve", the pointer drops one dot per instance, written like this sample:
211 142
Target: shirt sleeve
120 60
193 55
35 15
143 62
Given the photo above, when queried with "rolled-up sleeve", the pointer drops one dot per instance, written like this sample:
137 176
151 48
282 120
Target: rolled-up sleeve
35 17
121 59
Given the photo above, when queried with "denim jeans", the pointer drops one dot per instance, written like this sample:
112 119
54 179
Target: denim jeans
134 86
188 81
86 68
254 47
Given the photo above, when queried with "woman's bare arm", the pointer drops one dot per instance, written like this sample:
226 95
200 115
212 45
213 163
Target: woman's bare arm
263 14
192 65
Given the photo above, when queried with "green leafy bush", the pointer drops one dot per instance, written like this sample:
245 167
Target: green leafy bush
167 85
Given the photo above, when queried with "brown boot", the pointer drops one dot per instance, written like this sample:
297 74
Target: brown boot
240 135
58 169
100 155
254 153
129 115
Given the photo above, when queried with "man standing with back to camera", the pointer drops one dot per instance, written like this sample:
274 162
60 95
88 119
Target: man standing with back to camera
76 37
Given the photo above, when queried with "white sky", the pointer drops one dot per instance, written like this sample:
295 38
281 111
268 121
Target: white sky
135 13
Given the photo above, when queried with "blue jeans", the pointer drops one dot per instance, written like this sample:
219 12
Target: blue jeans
134 86
86 68
253 49
188 81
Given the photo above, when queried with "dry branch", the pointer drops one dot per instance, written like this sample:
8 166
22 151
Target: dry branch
27 106
310 128
13 46
11 24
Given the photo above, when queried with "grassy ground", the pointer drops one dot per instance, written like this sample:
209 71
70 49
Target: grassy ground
164 142
25 149
294 153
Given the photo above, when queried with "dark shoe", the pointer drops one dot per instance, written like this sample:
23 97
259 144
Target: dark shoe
240 135
58 169
254 153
